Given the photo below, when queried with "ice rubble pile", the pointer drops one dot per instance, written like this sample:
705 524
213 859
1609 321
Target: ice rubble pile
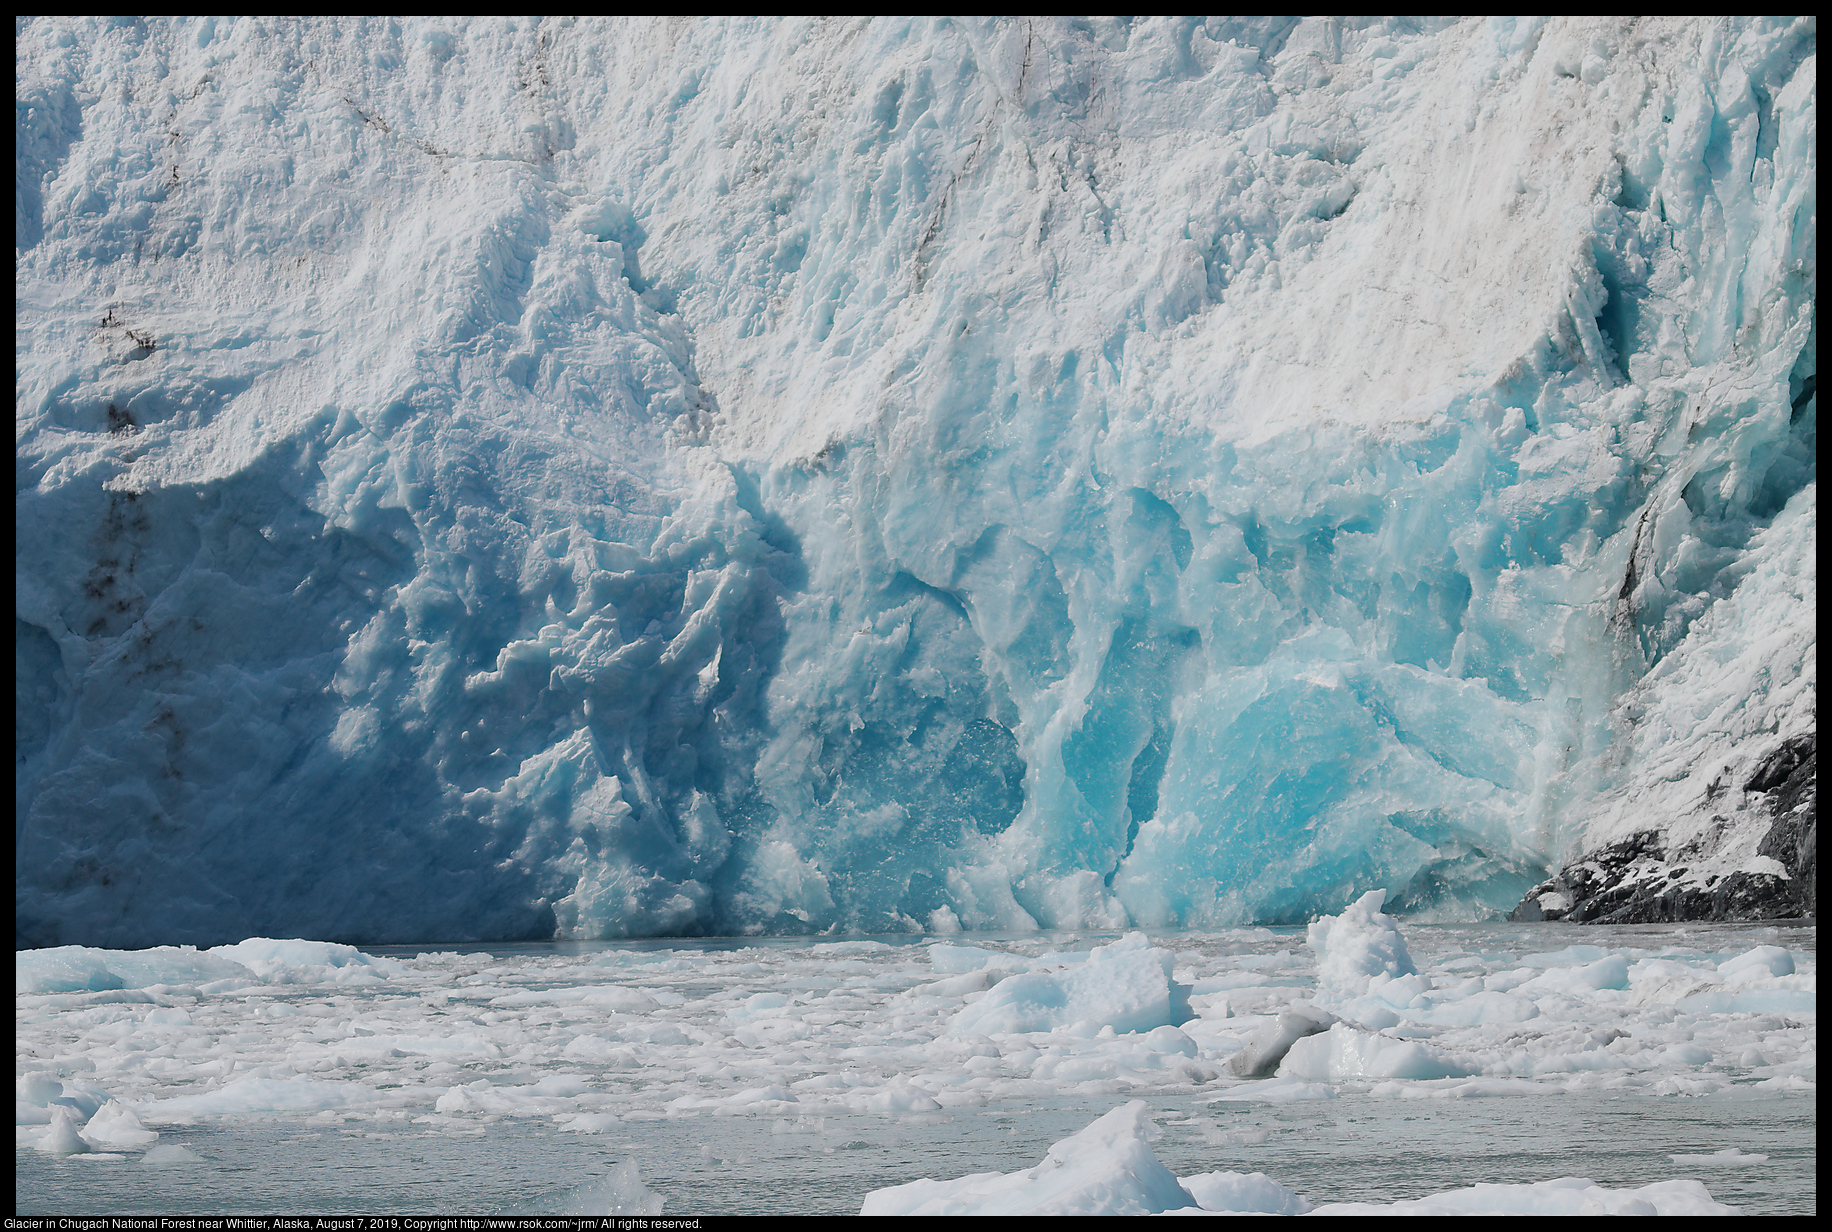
1109 1169
615 479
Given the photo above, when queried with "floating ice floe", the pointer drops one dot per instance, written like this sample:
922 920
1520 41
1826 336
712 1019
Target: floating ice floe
1109 1169
1106 1169
172 1155
1125 987
594 1044
1729 1157
115 1125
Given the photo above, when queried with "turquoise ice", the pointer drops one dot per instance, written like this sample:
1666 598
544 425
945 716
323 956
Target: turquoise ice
525 478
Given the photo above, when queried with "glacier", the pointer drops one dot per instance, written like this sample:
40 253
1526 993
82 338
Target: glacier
529 478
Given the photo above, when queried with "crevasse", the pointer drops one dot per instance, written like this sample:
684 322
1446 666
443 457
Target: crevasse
506 478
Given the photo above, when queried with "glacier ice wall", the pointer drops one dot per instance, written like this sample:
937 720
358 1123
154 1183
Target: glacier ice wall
494 479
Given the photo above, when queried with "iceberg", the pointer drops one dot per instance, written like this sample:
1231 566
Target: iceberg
517 478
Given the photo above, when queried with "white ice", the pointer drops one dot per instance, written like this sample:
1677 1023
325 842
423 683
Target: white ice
115 1047
1109 1169
1729 1157
602 478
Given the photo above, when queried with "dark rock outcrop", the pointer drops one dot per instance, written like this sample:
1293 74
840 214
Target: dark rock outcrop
1641 880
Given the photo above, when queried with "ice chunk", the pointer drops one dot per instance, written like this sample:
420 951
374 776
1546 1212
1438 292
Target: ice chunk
167 1155
1109 1169
174 965
1763 962
1106 1169
1729 1157
37 1087
64 968
33 1094
1274 1039
78 969
895 1097
1345 1052
297 961
757 1004
1750 1001
1608 973
1476 1010
263 1095
114 1124
62 1138
1282 1090
1126 985
1358 945
1243 1193
1570 956
37 1090
960 959
1171 1041
959 985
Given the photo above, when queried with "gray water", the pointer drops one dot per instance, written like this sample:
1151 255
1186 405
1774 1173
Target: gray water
1349 1149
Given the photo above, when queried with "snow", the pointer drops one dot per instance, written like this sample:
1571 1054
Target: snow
515 478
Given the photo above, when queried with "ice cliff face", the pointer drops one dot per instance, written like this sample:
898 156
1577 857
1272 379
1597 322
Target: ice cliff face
495 479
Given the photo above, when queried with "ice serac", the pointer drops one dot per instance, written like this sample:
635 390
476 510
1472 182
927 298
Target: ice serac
505 478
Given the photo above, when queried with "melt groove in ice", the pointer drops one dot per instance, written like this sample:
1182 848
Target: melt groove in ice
509 478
